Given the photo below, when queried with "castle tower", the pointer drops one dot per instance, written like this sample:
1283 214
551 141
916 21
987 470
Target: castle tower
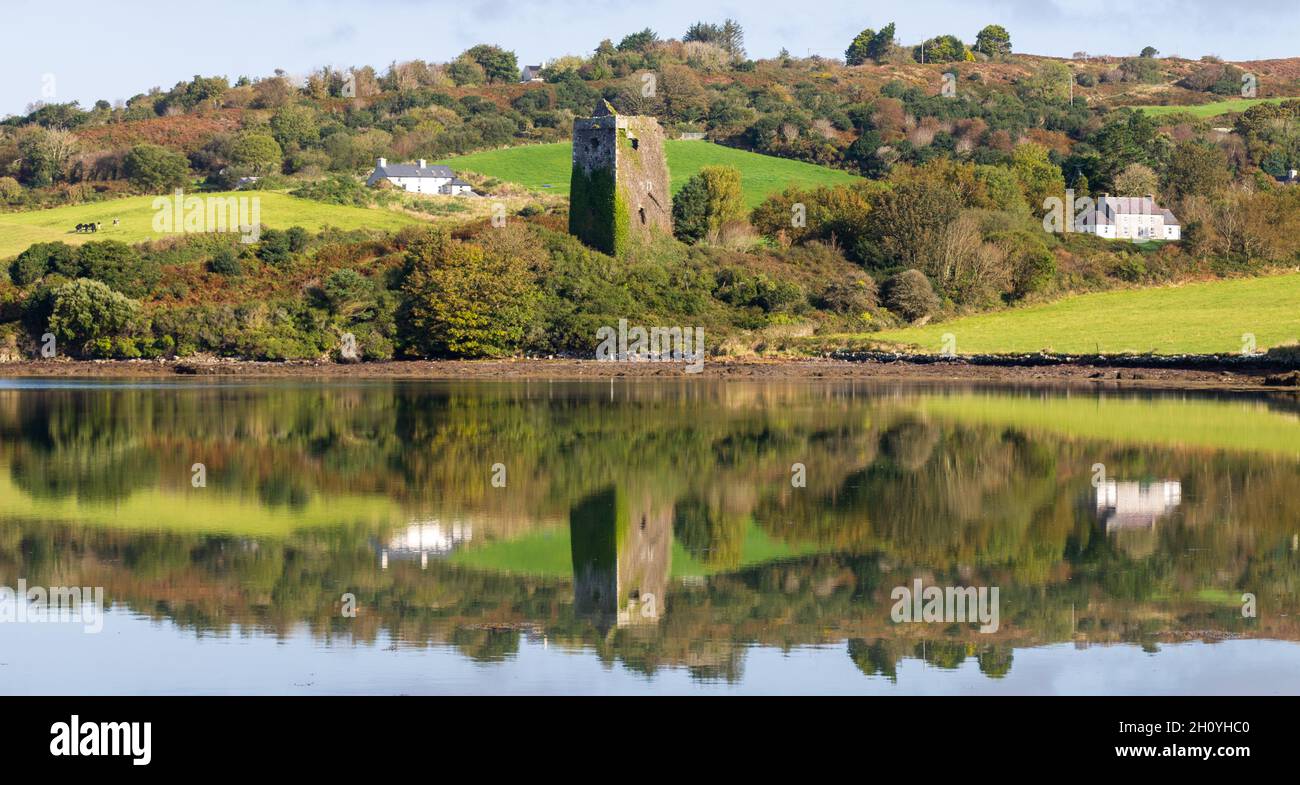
618 192
621 543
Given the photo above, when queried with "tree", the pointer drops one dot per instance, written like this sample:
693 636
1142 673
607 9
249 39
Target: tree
1136 180
1050 81
119 266
941 49
1039 178
856 54
1196 168
710 200
464 71
349 295
1148 51
45 155
690 211
908 223
870 45
682 95
865 152
154 169
257 153
10 190
459 301
499 65
733 38
993 40
202 90
41 259
294 126
638 42
910 295
729 35
85 310
1081 186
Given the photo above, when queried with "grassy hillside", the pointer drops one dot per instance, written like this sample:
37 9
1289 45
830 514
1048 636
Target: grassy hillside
545 167
1240 426
1206 111
1201 318
280 211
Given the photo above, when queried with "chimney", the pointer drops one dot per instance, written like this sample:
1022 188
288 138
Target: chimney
383 162
422 166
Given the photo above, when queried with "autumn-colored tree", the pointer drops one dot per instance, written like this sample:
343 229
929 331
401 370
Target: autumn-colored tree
1136 180
1039 178
460 301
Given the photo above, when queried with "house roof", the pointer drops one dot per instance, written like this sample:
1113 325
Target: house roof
458 181
412 170
1110 206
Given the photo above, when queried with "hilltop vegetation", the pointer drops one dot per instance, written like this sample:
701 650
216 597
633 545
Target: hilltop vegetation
908 182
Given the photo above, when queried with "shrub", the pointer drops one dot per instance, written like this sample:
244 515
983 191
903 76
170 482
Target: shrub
349 294
910 295
225 262
462 302
118 265
10 190
736 287
154 169
42 259
86 311
853 298
709 201
275 247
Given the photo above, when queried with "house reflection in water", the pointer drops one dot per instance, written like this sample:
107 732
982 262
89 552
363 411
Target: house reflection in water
621 544
421 538
1127 504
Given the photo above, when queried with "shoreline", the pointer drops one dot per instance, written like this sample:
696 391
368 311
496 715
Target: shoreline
1130 375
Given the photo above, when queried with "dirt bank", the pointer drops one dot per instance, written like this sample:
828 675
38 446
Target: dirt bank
1080 375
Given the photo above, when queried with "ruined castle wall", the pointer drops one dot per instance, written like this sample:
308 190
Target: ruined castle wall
618 191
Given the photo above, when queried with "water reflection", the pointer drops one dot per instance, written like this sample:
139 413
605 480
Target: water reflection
660 527
1126 504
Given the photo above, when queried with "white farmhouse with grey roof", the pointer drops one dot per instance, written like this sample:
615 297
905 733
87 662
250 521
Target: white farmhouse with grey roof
420 178
1135 218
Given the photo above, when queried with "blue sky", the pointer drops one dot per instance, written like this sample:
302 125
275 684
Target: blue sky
88 49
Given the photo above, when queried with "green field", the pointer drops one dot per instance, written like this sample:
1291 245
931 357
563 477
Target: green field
1240 426
1206 111
1195 318
280 211
545 167
549 553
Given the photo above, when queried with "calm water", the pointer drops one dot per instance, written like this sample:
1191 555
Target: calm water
648 537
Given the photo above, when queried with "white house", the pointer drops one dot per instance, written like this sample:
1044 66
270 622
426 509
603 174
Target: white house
532 73
422 538
1135 218
1126 504
420 178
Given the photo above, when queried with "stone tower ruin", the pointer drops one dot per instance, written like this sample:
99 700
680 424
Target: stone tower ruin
618 192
